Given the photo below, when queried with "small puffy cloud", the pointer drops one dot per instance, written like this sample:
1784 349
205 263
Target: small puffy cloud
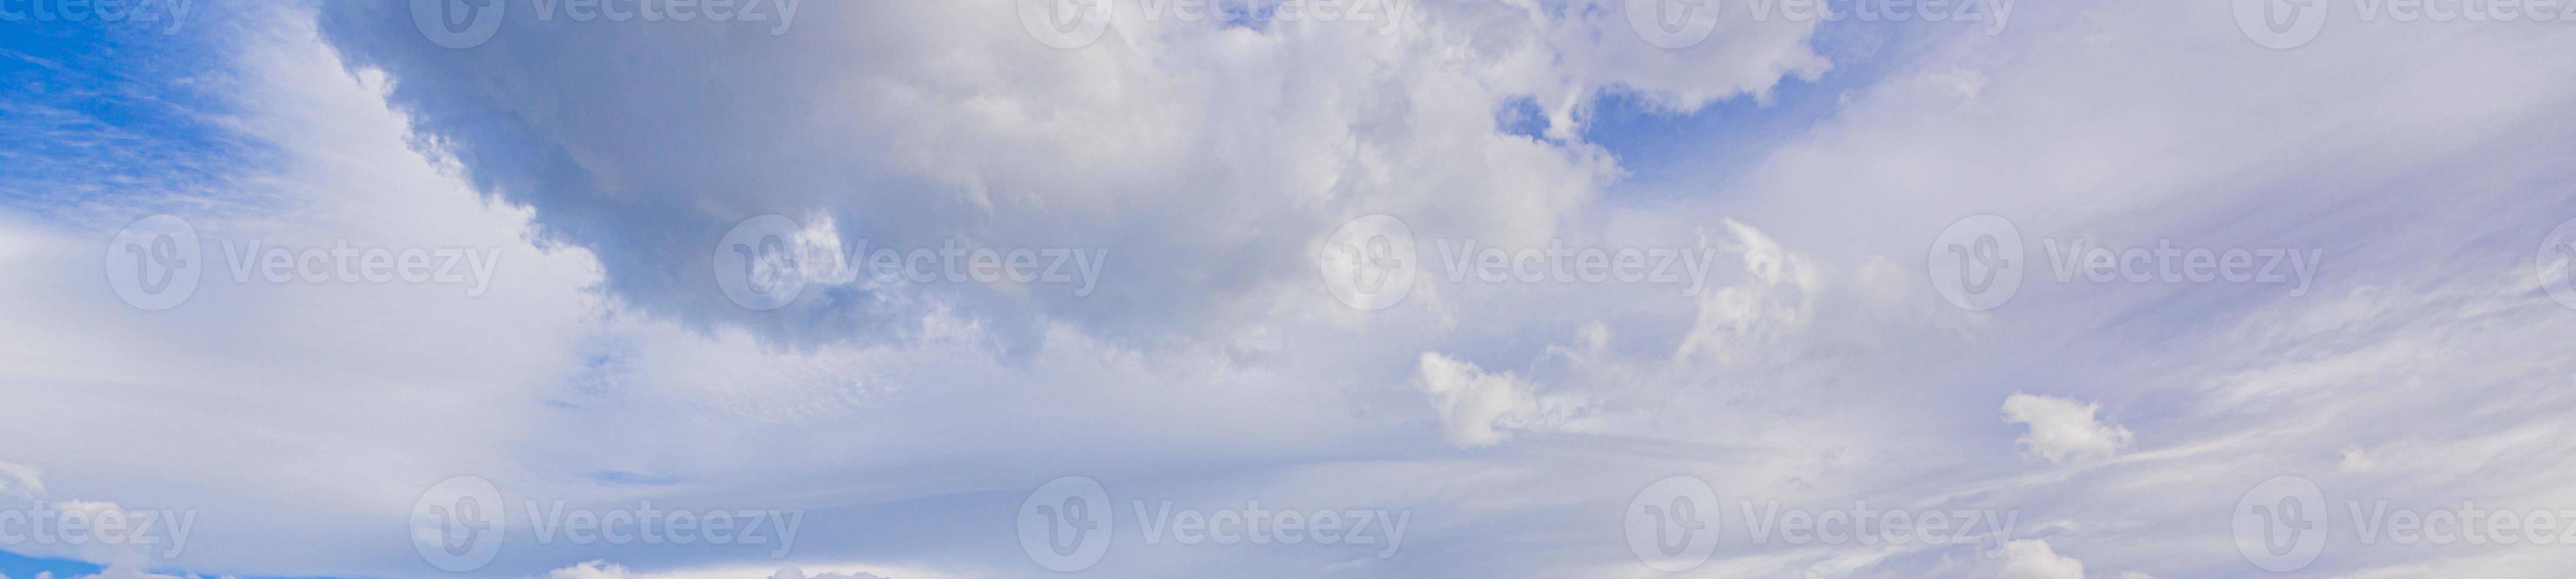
128 570
20 480
2033 559
1481 409
1773 305
589 570
2063 430
795 573
606 570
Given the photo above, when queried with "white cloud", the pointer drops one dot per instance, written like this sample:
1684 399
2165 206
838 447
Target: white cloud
917 123
127 570
21 480
605 570
1481 409
1755 319
589 570
795 573
2033 559
1208 158
2063 430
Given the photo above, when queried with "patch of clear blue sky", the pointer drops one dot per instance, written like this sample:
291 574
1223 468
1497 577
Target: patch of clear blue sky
1705 150
18 566
110 114
115 113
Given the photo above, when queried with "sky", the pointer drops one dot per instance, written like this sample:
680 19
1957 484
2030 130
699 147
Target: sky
905 289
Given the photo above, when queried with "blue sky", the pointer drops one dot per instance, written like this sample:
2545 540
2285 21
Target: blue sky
905 290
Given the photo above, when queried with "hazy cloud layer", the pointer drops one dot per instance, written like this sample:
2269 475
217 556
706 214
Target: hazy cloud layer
1814 368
